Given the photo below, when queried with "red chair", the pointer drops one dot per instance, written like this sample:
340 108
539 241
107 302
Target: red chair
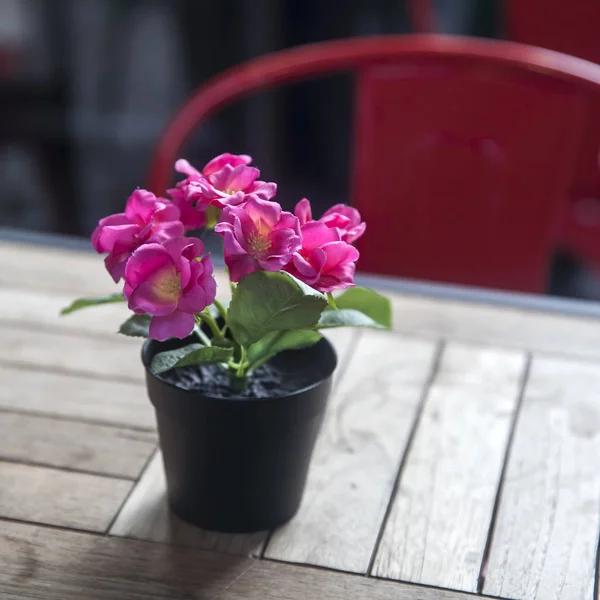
570 27
464 150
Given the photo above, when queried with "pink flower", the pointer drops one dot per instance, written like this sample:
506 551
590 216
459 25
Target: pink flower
190 216
324 262
344 218
258 235
217 163
347 220
225 180
146 219
170 283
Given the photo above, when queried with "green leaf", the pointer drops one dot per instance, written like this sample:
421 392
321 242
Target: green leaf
192 354
93 301
136 326
277 341
368 302
347 317
223 343
263 302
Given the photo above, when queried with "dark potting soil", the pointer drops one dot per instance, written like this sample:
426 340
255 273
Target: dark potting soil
274 378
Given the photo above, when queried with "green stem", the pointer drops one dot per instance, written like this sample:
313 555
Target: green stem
331 301
198 331
242 364
207 318
221 310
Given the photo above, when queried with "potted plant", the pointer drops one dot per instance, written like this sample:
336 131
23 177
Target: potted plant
239 384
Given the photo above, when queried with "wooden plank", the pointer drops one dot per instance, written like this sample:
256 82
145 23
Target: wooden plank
546 533
29 307
62 498
40 563
438 526
344 341
75 397
112 358
496 325
146 516
357 454
74 446
46 268
25 266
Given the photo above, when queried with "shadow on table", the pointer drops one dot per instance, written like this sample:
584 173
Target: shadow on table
70 566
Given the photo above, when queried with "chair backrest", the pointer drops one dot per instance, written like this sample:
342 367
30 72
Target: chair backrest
463 150
569 27
572 28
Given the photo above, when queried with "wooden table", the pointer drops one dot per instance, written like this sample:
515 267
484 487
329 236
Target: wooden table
460 455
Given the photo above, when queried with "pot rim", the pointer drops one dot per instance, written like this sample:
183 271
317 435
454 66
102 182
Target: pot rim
146 359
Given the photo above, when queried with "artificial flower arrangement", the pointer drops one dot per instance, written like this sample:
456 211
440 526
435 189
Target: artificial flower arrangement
235 454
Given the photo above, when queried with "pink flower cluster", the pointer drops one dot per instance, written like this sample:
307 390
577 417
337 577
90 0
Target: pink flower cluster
164 272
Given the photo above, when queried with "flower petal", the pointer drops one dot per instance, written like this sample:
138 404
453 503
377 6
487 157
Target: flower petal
303 211
115 264
178 324
240 265
220 161
316 234
264 190
146 299
145 262
140 206
339 252
264 213
112 237
183 166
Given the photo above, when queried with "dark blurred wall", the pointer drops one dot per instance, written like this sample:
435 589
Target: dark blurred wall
86 87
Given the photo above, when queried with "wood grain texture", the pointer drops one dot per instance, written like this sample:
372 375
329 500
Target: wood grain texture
29 307
502 326
344 341
438 526
74 446
60 498
357 455
75 397
117 358
546 533
146 516
58 565
45 268
27 266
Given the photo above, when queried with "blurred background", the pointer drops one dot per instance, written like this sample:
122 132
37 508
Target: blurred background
86 86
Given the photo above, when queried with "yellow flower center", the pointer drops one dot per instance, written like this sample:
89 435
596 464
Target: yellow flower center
169 288
258 243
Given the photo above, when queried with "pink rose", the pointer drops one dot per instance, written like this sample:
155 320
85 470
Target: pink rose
225 180
190 216
345 219
324 262
146 219
257 236
170 283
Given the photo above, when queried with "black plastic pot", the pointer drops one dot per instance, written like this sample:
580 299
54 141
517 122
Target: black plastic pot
238 465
